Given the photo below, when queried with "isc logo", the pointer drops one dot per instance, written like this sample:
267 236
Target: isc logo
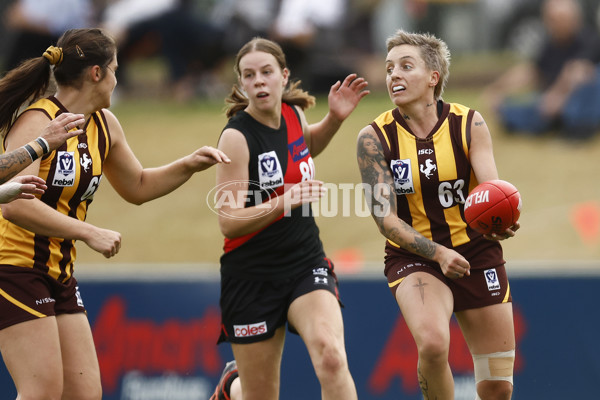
250 330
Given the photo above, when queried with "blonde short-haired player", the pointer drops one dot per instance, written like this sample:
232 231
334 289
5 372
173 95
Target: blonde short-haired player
418 162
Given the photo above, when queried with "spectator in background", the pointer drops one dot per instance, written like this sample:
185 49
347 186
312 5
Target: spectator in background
307 30
565 78
34 23
190 43
243 20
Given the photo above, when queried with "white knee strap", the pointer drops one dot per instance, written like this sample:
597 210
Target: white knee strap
494 366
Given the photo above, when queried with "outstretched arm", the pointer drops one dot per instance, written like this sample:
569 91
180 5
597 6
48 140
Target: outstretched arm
343 99
137 184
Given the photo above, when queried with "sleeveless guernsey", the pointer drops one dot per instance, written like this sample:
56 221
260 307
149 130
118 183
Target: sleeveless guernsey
72 173
432 179
278 159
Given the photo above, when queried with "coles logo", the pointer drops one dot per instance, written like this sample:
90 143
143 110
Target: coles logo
250 330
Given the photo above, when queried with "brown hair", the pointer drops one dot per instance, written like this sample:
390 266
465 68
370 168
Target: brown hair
434 51
237 100
81 48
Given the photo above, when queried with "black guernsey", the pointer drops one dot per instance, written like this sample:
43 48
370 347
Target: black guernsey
279 158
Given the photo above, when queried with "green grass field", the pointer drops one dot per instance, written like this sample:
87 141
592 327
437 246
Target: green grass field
558 181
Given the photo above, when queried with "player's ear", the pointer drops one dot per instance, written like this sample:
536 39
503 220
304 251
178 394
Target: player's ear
95 73
434 79
286 76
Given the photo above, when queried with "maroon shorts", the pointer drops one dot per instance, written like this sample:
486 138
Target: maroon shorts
484 287
27 294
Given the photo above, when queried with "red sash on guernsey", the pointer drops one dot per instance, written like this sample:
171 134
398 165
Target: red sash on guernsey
297 153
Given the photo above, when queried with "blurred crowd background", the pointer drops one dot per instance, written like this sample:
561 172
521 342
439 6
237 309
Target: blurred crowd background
195 40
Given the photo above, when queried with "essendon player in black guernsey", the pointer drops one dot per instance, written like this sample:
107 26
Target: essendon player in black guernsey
274 270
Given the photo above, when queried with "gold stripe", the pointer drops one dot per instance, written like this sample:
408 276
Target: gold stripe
393 244
444 153
21 305
396 282
408 150
507 292
382 120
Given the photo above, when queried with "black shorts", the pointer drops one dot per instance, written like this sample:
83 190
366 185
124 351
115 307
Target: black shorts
484 287
251 311
27 294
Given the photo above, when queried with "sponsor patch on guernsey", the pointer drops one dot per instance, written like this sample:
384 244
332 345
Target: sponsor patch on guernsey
269 171
65 169
250 329
402 173
298 149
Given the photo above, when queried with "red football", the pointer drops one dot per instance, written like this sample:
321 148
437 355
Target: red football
493 206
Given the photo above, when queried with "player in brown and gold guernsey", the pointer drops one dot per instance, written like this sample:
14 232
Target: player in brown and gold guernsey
418 162
45 336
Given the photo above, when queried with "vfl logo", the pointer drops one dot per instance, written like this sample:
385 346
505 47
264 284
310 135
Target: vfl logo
269 170
65 162
65 169
85 162
428 168
268 164
491 277
402 173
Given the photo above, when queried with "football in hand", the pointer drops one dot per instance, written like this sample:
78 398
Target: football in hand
492 207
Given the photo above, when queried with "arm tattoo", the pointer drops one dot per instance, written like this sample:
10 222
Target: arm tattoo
423 246
479 123
378 186
376 177
419 245
12 163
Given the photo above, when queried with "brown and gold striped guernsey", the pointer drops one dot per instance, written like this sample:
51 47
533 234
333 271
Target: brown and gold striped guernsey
433 177
72 173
